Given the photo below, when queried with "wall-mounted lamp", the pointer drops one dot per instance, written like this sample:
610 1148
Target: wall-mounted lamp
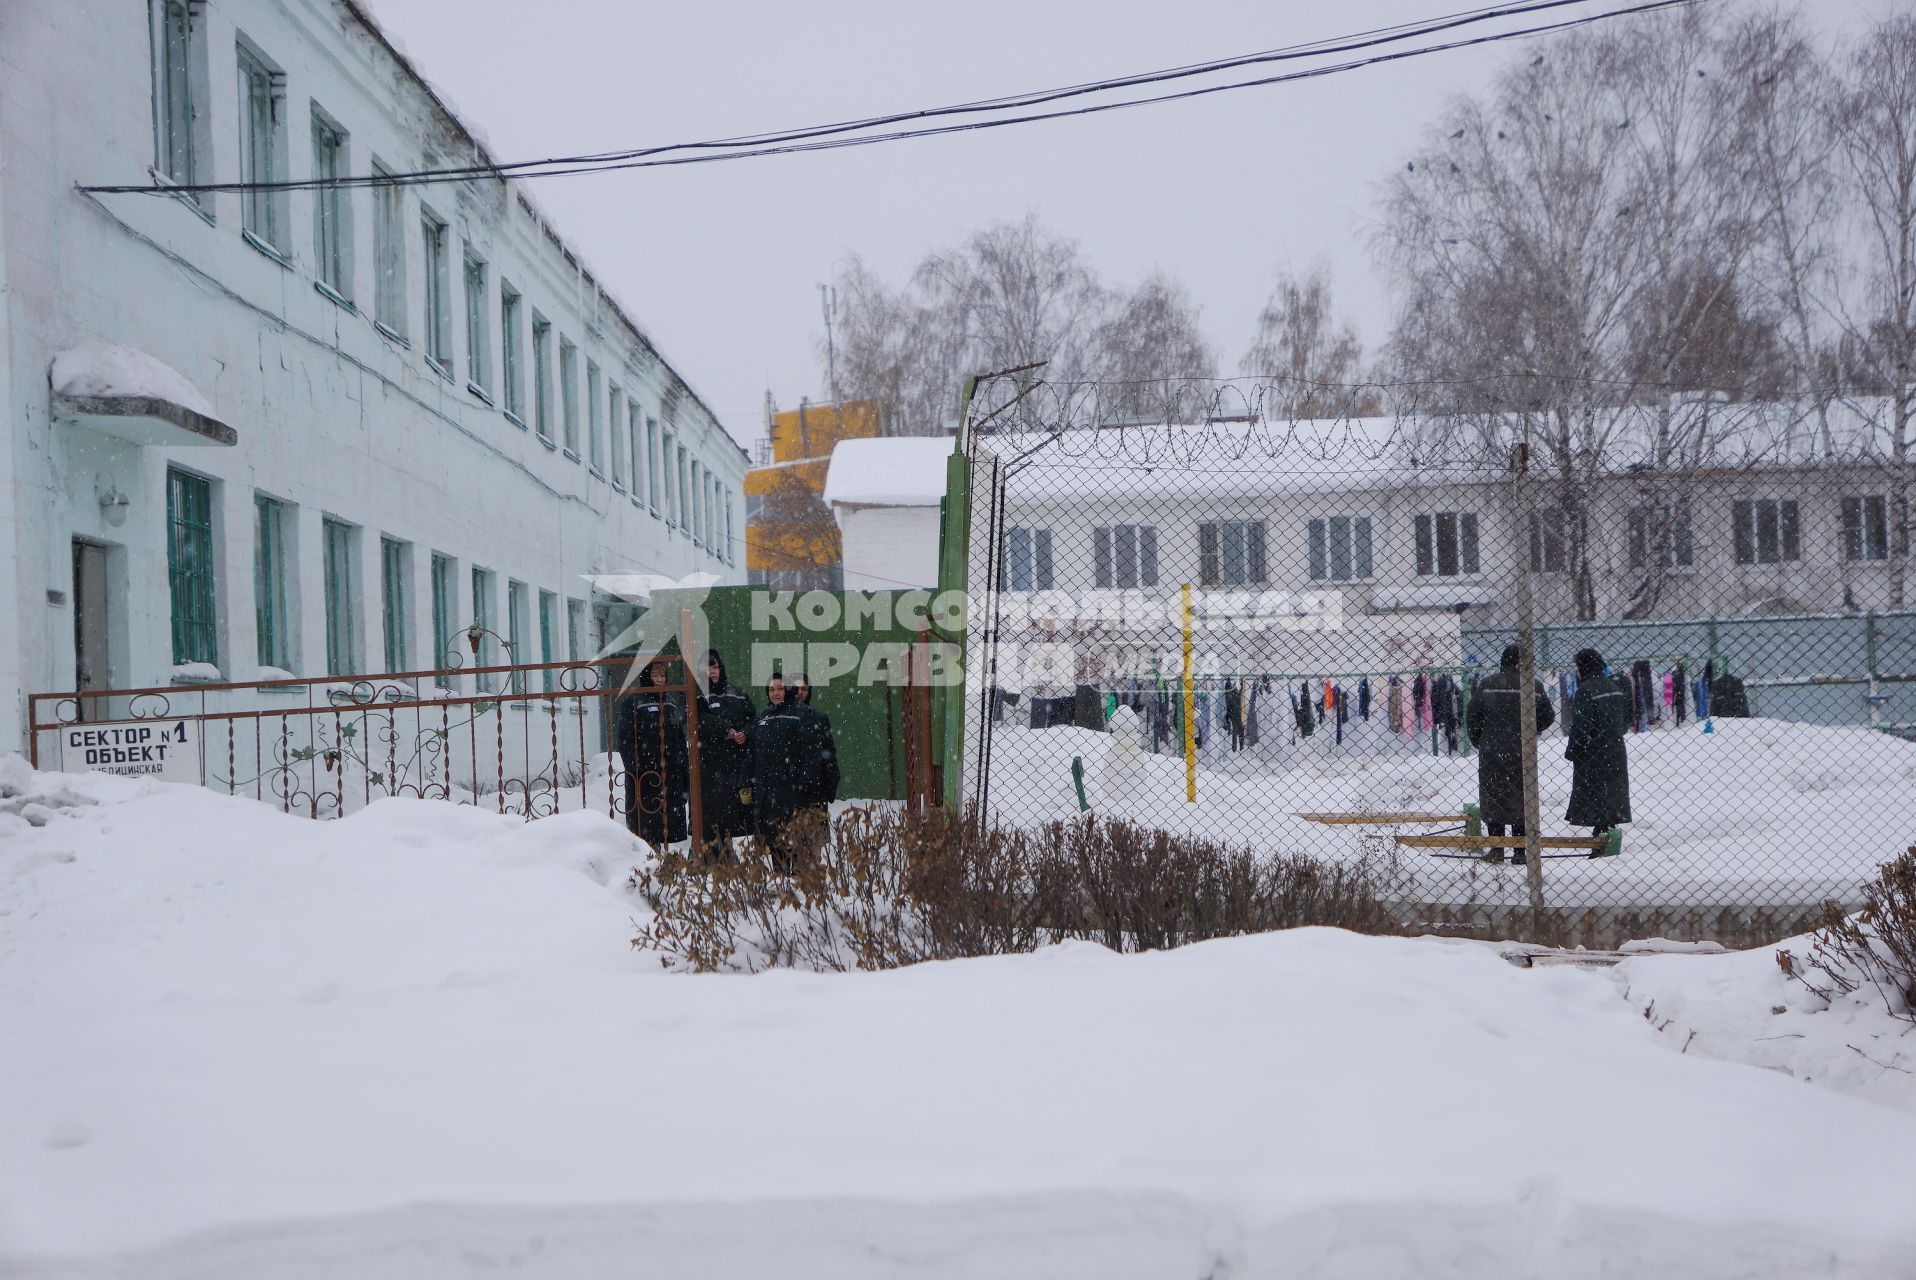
113 505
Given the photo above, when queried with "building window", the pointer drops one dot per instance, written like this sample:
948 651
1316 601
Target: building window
681 491
615 427
1866 528
542 376
1231 553
636 442
189 567
1338 549
478 342
595 420
484 617
575 629
548 632
652 457
395 593
1765 530
1027 565
731 532
516 633
262 149
271 616
569 396
512 380
1447 544
1662 532
389 255
434 237
1125 555
1547 541
179 91
340 545
445 615
332 208
696 502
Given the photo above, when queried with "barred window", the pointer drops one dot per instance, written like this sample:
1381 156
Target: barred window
189 567
1664 530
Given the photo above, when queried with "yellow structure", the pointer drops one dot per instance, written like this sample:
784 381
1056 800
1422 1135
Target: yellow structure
791 539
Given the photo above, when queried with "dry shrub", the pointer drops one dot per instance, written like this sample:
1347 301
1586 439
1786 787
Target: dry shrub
883 888
1874 947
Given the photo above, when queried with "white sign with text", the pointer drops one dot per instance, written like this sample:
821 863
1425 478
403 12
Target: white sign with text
164 749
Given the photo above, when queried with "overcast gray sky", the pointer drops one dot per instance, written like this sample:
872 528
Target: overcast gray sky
721 262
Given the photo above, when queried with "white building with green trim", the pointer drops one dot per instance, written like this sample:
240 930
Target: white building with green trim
317 432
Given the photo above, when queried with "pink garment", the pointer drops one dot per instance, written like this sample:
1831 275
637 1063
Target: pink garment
1669 689
1425 717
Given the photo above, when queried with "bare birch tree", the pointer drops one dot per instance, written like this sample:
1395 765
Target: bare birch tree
1313 357
1875 123
1013 293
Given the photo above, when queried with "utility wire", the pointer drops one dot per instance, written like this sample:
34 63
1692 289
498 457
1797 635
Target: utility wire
830 137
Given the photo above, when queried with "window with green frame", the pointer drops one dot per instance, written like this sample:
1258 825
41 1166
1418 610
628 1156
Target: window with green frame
270 558
516 611
482 617
189 567
445 602
575 629
548 624
342 597
395 592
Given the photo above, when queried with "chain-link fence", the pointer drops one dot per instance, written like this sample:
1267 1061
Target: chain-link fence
1209 616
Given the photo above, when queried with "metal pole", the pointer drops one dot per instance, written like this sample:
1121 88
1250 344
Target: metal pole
1527 695
697 829
1190 709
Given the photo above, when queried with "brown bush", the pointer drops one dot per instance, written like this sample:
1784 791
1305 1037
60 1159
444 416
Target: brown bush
879 889
1874 947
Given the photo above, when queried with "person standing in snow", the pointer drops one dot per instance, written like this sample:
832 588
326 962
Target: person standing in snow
1600 717
1495 721
821 748
726 714
775 771
650 736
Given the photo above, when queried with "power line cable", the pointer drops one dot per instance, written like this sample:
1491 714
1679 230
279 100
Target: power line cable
829 137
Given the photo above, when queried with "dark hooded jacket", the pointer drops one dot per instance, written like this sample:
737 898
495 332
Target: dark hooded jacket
1495 722
820 755
1600 762
651 742
724 709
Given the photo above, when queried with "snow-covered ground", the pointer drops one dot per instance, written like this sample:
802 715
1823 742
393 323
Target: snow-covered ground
415 1043
1758 812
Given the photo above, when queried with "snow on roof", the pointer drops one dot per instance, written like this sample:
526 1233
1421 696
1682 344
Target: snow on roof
103 370
891 472
1256 458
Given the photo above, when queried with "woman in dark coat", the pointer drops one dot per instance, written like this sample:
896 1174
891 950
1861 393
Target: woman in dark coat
1600 763
1495 721
775 770
726 714
651 741
820 750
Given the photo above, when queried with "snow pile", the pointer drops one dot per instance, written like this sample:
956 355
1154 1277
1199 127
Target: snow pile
106 370
1741 1008
891 472
29 799
414 1043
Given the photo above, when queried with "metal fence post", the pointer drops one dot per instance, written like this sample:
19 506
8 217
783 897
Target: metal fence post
1527 695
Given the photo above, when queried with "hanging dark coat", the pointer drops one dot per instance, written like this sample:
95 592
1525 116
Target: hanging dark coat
1600 717
651 741
1495 722
723 710
1728 698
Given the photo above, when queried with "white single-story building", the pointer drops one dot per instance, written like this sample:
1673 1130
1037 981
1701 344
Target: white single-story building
885 496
